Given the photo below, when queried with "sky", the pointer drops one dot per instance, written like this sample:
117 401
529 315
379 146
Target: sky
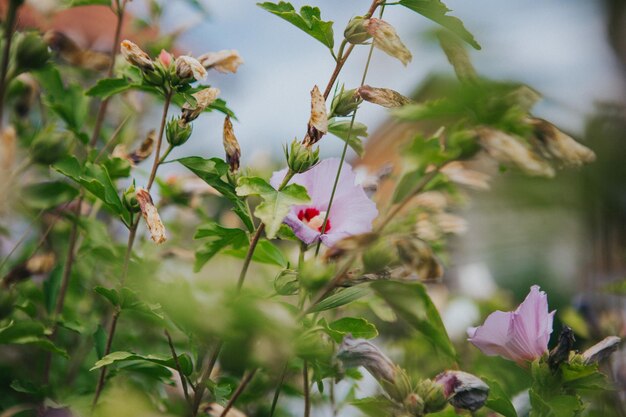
556 46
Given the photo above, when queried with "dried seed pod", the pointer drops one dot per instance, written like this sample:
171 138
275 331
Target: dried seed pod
151 216
387 40
382 96
318 122
231 146
136 56
223 61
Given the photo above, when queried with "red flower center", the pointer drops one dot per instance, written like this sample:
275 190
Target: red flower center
313 218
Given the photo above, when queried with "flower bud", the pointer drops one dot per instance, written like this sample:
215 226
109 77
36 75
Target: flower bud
203 98
223 61
356 32
301 158
314 274
382 96
136 56
554 144
414 404
463 390
433 396
318 122
151 216
31 52
345 103
177 132
165 58
231 146
507 149
602 350
129 199
188 67
359 352
387 40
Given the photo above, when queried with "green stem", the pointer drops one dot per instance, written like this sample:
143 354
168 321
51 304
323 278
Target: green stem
183 380
307 394
278 389
166 154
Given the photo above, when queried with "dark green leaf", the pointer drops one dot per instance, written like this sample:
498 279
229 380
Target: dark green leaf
498 400
411 302
99 341
309 20
29 333
211 171
276 204
341 129
69 103
220 238
110 294
436 11
51 288
108 87
554 406
340 298
46 195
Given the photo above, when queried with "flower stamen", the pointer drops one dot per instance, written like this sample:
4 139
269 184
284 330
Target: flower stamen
314 219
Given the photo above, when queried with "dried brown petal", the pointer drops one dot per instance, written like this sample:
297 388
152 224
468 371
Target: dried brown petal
507 149
223 61
318 123
457 173
387 40
359 352
382 96
73 54
151 216
136 56
231 146
554 144
204 98
188 67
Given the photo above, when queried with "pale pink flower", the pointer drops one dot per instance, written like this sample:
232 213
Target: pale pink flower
351 213
521 335
165 58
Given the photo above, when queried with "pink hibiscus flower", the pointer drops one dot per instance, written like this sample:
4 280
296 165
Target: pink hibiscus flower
521 335
351 213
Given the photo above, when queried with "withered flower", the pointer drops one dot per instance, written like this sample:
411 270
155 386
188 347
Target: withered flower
463 390
231 146
602 350
136 56
151 216
140 154
203 98
387 40
507 149
73 54
554 144
223 61
35 265
188 67
457 173
359 352
318 122
382 96
419 256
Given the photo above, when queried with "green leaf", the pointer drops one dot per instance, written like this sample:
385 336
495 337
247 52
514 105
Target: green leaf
99 341
46 195
554 406
341 298
308 20
221 237
436 11
341 129
276 204
95 179
77 3
69 103
375 406
108 87
357 327
498 400
211 171
130 301
115 357
51 288
111 295
265 253
29 333
411 302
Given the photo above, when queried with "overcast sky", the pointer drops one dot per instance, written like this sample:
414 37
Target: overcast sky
556 46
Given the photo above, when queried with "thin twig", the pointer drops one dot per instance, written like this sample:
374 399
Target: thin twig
307 394
278 389
204 376
178 368
102 376
157 151
242 386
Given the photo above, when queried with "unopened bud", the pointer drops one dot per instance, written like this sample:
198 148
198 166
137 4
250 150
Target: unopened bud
382 96
129 198
554 144
318 122
223 61
602 350
315 273
177 132
231 146
203 98
151 216
301 158
433 395
165 58
31 52
463 390
356 32
414 404
136 56
359 352
387 40
345 103
189 67
507 149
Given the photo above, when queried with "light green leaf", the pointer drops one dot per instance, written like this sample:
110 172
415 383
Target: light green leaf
341 298
220 238
498 400
110 294
114 357
411 302
211 171
375 406
99 341
436 11
341 129
357 327
276 204
108 87
309 20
